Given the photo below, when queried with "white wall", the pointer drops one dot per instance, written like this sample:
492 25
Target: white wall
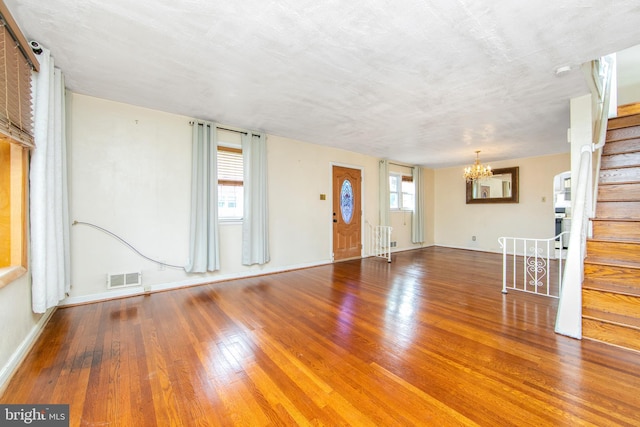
629 94
456 222
130 173
21 325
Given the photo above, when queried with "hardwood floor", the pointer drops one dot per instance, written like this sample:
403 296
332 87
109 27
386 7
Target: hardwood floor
426 340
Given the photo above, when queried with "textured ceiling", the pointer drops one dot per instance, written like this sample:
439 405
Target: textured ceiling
416 81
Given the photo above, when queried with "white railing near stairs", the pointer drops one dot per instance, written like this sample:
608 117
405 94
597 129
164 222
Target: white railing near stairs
569 317
533 265
380 241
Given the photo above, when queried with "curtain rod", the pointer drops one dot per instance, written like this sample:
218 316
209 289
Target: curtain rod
400 164
192 122
234 130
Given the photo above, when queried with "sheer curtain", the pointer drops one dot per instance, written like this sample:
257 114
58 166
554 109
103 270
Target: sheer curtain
417 219
255 225
204 244
49 212
384 192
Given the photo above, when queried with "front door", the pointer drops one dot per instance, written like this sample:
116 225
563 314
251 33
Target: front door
347 213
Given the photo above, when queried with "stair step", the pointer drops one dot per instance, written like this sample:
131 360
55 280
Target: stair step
623 133
603 286
619 192
623 121
619 147
614 279
617 209
619 319
626 254
620 175
612 303
619 230
611 333
600 275
622 160
628 109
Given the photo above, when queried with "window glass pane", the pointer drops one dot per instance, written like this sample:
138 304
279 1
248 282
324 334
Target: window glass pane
230 201
408 190
393 183
407 201
393 202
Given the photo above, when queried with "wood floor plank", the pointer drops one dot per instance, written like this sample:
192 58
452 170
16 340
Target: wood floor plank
428 339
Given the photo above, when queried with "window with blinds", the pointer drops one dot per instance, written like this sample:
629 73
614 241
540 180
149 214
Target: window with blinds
16 136
230 184
16 121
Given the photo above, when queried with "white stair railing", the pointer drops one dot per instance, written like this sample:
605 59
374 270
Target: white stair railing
380 241
528 264
569 317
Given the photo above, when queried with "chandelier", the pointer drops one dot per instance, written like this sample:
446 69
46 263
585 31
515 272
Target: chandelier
477 171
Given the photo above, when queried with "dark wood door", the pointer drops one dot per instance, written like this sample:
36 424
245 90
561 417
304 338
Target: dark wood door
347 213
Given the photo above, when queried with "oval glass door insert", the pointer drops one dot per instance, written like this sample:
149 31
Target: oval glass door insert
346 201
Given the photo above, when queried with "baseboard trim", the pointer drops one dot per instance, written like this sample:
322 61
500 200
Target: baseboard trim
465 248
23 350
161 287
412 248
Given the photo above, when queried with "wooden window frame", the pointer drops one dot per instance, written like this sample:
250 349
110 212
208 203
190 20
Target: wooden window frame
16 128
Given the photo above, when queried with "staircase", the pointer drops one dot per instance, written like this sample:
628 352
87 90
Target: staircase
611 287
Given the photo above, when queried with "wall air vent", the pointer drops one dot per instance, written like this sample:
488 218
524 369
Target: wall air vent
123 280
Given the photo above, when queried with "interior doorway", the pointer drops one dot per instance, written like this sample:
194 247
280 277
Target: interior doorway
562 207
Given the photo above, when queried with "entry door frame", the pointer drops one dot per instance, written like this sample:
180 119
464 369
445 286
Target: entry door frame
362 207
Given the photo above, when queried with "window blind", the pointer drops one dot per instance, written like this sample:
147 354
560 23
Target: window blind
230 169
16 121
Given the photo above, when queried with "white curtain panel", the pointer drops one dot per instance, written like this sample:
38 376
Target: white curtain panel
255 225
49 212
204 244
384 192
417 219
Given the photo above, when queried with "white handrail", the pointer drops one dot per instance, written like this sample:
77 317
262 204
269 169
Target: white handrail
600 136
569 317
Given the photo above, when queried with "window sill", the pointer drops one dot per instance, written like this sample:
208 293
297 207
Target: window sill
230 221
9 274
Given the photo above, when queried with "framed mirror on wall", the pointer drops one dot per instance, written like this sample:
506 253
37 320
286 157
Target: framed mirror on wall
502 187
